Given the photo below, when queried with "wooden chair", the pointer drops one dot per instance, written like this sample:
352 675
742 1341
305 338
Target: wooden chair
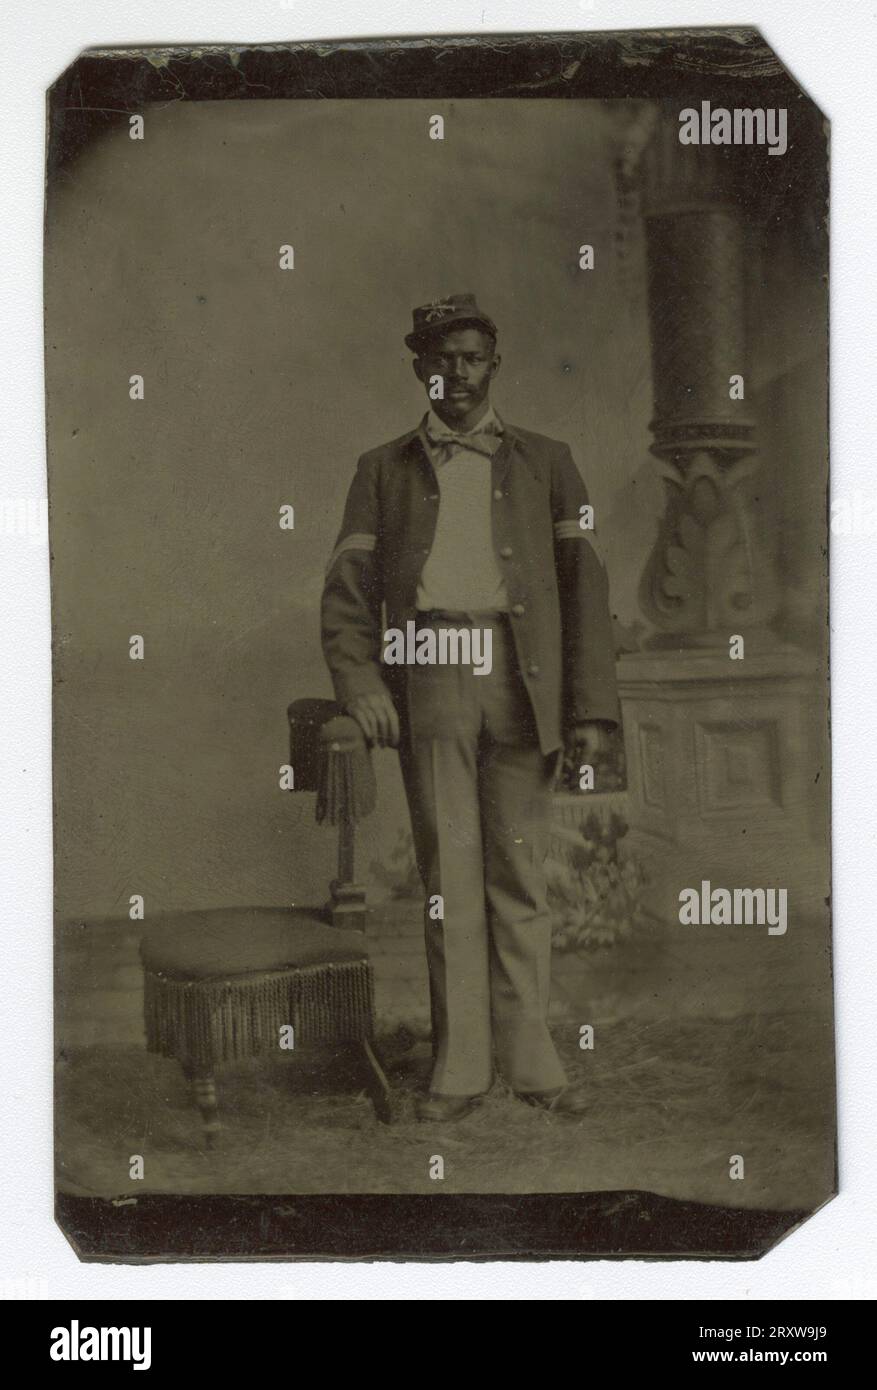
220 985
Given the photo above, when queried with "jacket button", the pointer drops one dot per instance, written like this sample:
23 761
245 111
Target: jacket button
532 669
519 610
498 494
506 552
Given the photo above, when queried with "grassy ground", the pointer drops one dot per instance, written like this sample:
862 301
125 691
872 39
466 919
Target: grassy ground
672 1100
708 1043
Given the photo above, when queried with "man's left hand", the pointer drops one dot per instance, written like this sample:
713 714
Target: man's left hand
585 742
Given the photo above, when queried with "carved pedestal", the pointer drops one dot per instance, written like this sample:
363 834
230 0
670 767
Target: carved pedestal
722 757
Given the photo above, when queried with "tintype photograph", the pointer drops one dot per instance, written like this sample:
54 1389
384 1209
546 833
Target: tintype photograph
438 462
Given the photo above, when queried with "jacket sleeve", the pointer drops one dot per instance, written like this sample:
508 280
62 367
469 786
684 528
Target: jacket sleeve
590 690
353 593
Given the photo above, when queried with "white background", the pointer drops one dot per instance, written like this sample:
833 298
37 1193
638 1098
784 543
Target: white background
830 49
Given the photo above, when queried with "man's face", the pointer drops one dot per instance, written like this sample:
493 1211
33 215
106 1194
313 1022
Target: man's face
467 363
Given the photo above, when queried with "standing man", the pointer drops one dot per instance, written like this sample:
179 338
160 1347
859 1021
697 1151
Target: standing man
470 527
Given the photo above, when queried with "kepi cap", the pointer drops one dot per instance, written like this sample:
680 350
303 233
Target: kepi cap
442 314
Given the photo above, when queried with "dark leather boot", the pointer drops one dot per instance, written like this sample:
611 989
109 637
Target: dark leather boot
446 1108
569 1103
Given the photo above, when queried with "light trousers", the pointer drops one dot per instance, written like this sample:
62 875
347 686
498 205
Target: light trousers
479 794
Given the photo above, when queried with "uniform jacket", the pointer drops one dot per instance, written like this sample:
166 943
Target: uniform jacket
557 586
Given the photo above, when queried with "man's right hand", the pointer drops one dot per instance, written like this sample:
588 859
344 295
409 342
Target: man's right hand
376 716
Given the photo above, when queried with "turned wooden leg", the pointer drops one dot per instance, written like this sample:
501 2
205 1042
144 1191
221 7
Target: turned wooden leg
203 1089
376 1083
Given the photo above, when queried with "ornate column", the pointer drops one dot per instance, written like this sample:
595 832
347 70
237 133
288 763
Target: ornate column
715 746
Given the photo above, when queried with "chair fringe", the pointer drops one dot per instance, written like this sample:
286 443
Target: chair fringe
347 789
205 1022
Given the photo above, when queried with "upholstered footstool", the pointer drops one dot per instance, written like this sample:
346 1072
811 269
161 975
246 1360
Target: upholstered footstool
221 985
